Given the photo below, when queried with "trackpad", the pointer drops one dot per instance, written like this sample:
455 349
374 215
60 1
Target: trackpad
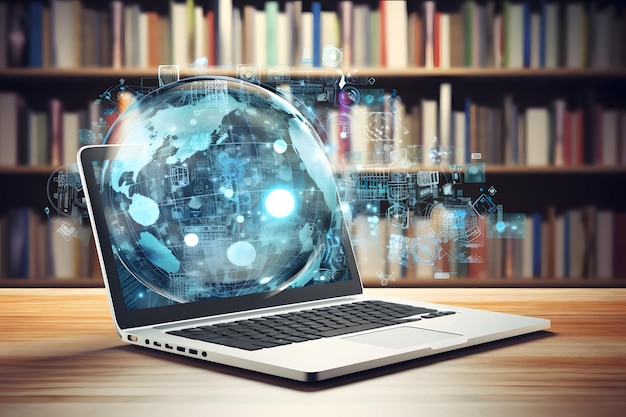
404 337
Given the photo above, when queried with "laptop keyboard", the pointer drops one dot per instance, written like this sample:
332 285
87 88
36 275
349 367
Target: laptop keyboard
301 326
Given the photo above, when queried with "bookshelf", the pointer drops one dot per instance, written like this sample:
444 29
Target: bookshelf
557 188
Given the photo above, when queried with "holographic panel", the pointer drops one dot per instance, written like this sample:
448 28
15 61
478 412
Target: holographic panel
506 225
475 172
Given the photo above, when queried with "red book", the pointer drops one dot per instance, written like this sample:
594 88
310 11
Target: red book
437 40
383 36
567 138
598 135
578 137
210 26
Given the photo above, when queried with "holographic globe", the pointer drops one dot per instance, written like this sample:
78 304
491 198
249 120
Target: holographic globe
222 189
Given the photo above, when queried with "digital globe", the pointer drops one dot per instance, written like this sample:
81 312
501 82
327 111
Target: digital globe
221 188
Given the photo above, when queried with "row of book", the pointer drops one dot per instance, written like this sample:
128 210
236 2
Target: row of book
46 137
33 246
557 134
583 243
509 134
395 34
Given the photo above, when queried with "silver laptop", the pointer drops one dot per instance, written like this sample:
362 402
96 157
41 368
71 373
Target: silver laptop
221 237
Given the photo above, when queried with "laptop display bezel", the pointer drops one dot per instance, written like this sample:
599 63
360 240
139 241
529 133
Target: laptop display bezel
127 318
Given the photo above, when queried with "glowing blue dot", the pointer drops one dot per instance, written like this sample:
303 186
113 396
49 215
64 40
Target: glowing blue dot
280 203
265 280
228 193
280 146
241 253
500 227
240 219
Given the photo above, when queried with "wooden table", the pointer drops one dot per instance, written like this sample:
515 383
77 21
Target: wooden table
60 356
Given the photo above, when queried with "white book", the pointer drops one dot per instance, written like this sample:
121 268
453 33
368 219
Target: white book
574 34
200 34
117 34
131 35
179 31
459 137
514 37
71 142
445 115
535 20
444 40
610 147
224 39
552 35
63 34
144 41
429 127
604 244
9 103
537 136
260 40
237 36
330 28
397 35
306 37
284 40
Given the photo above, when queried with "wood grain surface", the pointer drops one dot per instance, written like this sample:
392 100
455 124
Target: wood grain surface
60 356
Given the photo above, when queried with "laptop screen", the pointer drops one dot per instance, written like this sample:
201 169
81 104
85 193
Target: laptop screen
206 208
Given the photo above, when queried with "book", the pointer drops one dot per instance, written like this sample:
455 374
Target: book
346 19
64 41
396 34
117 43
619 245
4 31
9 133
271 32
429 33
35 33
316 9
468 32
429 126
224 17
445 115
459 137
575 35
537 136
179 33
360 35
610 135
444 41
514 35
604 244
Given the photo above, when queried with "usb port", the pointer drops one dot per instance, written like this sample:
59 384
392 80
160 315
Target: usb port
157 344
180 349
168 346
193 351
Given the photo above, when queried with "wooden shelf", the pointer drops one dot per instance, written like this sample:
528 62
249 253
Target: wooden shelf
46 74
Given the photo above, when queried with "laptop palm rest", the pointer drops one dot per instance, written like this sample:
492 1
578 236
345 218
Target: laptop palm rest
405 337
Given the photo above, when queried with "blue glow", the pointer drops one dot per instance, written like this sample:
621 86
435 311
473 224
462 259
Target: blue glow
280 203
241 253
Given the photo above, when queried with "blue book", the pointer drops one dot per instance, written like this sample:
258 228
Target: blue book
542 36
536 219
35 35
527 36
316 8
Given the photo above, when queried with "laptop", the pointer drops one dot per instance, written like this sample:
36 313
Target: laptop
238 251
